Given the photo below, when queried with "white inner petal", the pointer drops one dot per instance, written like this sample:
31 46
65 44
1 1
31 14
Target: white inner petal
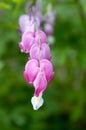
37 102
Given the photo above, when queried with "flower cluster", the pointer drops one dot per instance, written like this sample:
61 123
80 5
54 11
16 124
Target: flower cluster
49 20
38 69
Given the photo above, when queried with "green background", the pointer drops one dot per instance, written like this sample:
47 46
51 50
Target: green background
65 98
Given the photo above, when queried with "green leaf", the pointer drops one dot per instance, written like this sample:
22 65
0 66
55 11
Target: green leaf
5 6
17 1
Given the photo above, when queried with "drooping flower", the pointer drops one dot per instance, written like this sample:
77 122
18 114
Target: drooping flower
40 84
44 76
26 23
40 36
27 41
43 53
29 38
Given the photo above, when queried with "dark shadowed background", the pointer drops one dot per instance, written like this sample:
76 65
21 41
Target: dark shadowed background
65 98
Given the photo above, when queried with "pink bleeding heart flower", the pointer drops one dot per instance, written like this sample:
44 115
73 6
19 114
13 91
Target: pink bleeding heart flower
50 17
40 83
40 37
48 29
40 52
26 23
47 68
27 41
31 70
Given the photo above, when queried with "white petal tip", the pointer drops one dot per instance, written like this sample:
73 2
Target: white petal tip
37 102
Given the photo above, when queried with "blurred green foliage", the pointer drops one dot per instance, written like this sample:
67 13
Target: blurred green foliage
65 97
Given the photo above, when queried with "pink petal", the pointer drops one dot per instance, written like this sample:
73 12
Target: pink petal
26 76
21 47
42 52
40 36
26 23
40 83
47 68
31 70
27 41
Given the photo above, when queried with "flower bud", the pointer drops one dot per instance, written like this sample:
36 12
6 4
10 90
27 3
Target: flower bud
48 29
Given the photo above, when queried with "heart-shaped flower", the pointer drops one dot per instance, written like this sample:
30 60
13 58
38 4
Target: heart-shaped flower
26 23
40 37
40 52
27 41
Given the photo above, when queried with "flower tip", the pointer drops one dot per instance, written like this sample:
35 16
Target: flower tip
36 107
37 102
